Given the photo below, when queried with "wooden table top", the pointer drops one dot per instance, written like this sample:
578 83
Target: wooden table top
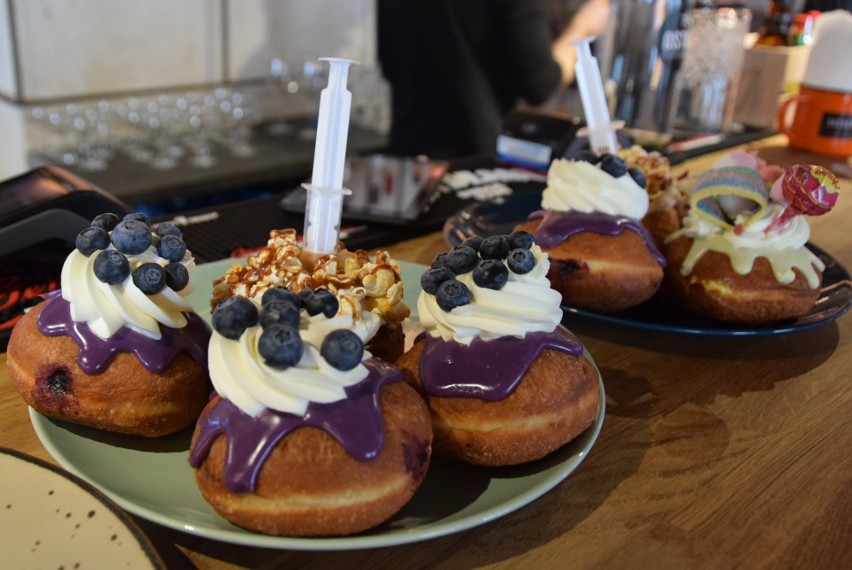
715 452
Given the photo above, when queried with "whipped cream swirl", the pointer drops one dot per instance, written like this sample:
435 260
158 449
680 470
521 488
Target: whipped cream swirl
239 374
525 304
582 186
107 308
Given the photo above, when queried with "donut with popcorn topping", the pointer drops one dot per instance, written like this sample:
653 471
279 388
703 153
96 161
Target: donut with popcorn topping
307 434
369 287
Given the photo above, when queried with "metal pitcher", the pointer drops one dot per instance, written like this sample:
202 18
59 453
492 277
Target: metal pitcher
640 54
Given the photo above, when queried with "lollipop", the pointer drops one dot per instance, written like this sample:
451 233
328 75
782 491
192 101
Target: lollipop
805 189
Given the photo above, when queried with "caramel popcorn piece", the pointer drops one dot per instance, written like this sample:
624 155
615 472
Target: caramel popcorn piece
359 282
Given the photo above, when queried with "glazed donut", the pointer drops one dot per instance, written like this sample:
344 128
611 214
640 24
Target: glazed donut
741 255
715 290
556 400
601 272
118 348
125 397
601 257
309 485
504 382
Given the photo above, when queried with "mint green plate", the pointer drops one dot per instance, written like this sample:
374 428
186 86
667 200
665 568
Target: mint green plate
152 478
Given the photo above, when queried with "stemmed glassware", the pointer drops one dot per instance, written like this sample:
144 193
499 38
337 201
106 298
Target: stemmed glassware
162 130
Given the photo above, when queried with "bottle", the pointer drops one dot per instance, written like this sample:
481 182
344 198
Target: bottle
778 19
801 32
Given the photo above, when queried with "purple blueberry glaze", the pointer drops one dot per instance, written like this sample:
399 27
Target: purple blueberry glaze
355 422
491 369
557 226
94 352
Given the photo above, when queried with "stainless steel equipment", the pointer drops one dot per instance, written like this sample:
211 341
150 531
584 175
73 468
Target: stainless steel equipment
640 54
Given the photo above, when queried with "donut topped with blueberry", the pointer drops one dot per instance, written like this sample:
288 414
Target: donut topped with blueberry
113 240
490 260
613 165
280 343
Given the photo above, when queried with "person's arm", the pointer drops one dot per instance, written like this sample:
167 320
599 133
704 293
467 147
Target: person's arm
523 37
590 20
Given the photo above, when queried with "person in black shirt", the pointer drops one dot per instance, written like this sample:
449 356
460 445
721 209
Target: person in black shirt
456 67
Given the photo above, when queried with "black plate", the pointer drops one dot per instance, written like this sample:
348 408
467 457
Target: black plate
661 312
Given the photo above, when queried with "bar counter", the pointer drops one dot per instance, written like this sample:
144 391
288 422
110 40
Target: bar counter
715 452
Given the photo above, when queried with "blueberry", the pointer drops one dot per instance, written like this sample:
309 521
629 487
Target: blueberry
111 267
586 155
304 294
491 274
452 294
171 247
280 346
91 240
520 261
638 177
131 237
278 313
432 278
613 165
473 242
233 316
440 260
150 278
168 229
177 276
494 247
461 259
138 217
60 382
342 349
522 239
322 301
281 294
106 221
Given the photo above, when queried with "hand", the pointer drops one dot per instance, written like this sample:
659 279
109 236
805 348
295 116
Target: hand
590 20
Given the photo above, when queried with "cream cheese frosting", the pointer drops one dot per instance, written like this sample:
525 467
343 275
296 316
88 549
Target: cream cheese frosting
734 212
525 304
239 374
582 186
107 308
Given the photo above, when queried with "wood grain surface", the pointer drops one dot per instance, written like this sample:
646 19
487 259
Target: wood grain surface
716 452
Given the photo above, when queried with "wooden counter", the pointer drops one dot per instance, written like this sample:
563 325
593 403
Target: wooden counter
716 452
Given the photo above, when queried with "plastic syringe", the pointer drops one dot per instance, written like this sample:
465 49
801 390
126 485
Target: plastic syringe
324 206
601 131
